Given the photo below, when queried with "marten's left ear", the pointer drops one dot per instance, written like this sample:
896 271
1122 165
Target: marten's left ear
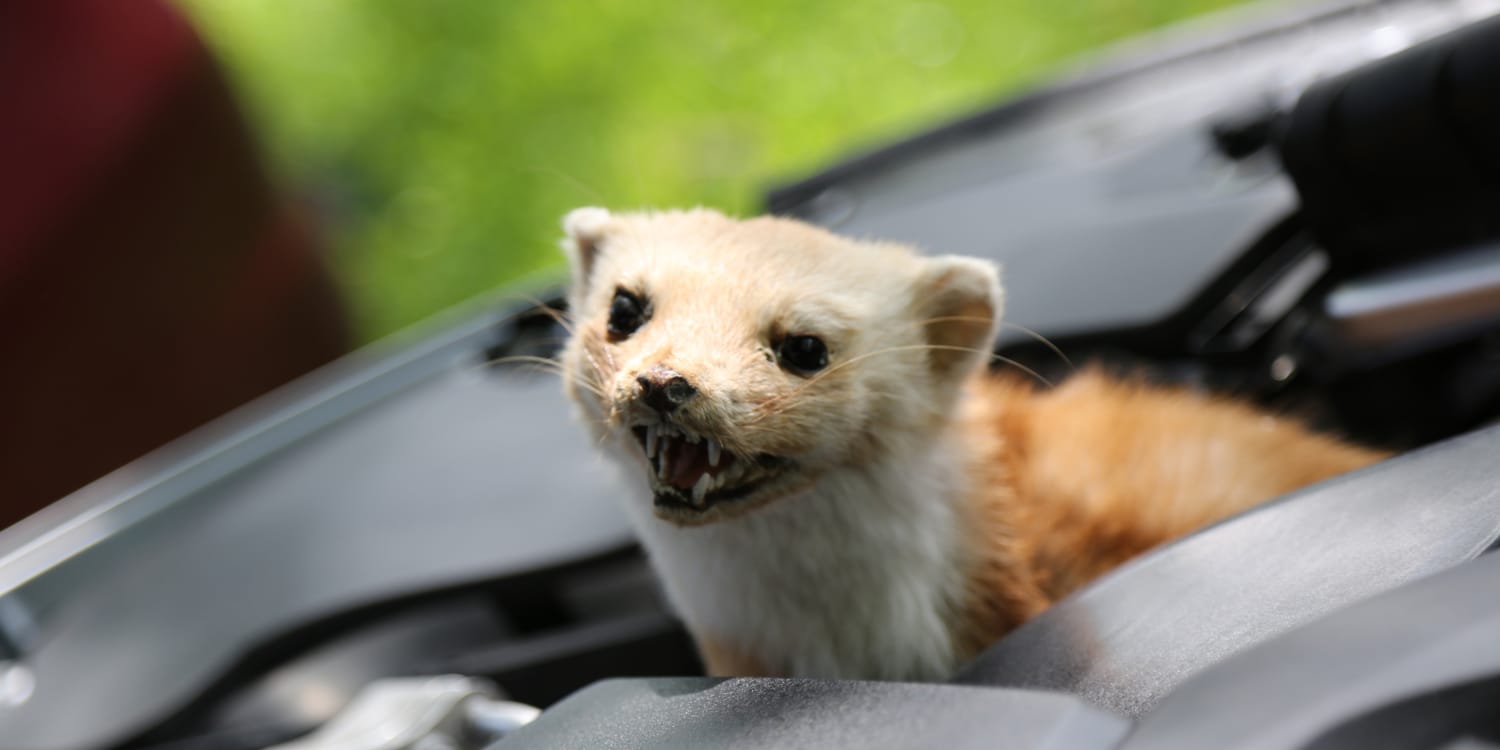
585 229
958 301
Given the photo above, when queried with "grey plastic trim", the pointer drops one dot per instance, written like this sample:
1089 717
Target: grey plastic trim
1436 633
242 437
1420 305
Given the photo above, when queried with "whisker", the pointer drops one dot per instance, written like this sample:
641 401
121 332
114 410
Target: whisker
541 364
517 358
598 374
1044 342
546 366
1023 368
775 402
610 359
595 197
757 411
558 316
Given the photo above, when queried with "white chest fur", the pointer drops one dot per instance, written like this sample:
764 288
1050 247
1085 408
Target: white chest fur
860 577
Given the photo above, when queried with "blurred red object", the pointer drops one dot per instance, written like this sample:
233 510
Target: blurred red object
150 277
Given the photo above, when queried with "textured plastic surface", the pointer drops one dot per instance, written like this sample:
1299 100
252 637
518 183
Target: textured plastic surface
1413 668
1132 637
822 715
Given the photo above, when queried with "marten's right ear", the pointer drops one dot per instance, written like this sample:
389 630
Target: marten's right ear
585 229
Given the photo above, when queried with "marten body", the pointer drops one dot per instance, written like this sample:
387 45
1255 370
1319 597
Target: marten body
838 486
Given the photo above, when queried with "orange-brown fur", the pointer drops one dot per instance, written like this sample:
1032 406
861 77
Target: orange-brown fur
1079 479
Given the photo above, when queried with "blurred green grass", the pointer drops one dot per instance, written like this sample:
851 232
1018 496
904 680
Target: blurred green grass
444 139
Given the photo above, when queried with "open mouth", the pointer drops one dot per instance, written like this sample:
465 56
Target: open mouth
693 472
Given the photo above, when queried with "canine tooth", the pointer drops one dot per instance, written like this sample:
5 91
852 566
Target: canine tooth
700 489
713 452
651 435
665 464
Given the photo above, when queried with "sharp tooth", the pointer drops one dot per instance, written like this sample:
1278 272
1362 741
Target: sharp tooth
665 464
713 452
700 489
651 435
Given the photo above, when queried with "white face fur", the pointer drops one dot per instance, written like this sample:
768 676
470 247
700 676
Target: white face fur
737 362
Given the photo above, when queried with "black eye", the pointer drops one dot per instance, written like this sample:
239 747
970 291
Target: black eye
803 354
626 314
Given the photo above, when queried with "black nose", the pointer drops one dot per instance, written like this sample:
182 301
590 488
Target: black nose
663 389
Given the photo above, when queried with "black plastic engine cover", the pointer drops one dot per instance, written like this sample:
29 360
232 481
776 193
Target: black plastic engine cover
1402 156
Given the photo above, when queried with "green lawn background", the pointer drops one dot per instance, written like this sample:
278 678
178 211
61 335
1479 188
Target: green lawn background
441 140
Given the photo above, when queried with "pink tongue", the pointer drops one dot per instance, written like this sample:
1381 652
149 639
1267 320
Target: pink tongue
688 462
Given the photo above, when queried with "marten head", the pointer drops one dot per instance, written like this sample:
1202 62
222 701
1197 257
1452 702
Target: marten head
739 362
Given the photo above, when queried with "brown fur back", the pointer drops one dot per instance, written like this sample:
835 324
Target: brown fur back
1079 479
